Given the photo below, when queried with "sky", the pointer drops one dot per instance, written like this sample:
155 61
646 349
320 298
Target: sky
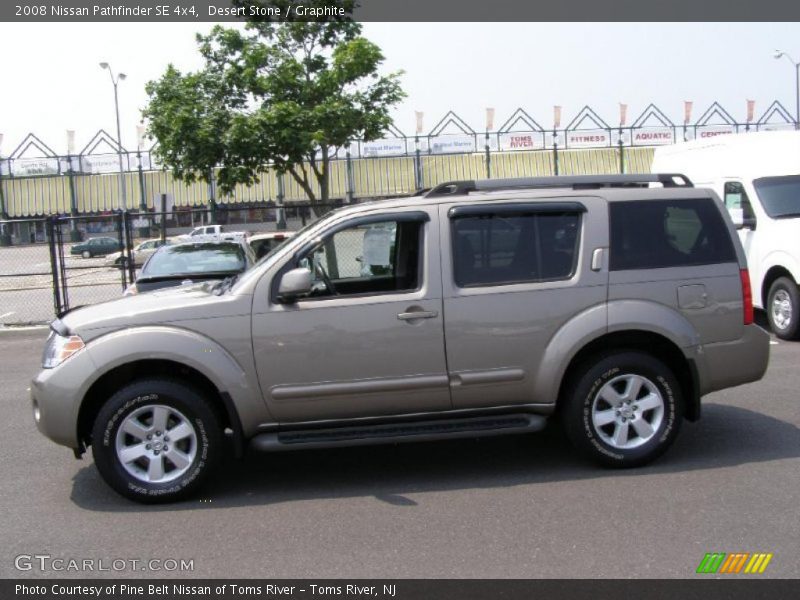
51 80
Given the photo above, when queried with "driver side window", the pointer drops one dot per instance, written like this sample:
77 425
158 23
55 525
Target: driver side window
736 198
372 258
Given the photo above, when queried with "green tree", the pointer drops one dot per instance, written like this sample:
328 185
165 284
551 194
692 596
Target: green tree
282 92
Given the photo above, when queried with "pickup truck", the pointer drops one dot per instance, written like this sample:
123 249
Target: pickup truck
212 233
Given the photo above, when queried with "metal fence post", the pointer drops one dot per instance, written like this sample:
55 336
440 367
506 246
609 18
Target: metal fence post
57 266
280 219
417 164
130 261
555 152
488 158
54 270
144 230
621 153
348 180
164 218
212 202
74 232
122 236
5 236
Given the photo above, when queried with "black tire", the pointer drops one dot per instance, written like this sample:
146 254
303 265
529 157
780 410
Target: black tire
617 369
135 404
783 291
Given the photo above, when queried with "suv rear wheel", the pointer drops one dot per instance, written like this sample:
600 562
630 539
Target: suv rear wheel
156 440
624 410
783 302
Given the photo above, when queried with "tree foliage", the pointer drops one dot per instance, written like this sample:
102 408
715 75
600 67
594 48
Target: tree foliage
282 92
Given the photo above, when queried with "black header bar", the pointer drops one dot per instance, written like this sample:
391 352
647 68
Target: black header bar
155 11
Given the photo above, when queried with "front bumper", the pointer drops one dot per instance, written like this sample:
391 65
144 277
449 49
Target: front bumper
56 396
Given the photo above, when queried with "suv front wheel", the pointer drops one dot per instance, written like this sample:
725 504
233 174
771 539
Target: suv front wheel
156 440
623 410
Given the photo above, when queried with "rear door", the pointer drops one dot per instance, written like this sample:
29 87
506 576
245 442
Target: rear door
513 274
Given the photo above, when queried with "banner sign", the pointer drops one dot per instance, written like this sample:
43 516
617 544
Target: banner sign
21 167
653 136
588 138
450 144
388 147
101 163
751 107
709 131
522 141
776 127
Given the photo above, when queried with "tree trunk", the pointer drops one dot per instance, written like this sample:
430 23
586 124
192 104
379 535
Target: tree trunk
323 206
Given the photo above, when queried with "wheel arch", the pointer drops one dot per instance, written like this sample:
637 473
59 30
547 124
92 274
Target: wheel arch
647 342
110 381
187 356
773 273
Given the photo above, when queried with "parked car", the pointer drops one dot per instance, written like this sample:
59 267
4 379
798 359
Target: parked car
758 177
495 306
140 253
99 246
212 233
264 243
184 264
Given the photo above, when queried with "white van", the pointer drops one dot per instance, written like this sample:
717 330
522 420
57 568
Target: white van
758 176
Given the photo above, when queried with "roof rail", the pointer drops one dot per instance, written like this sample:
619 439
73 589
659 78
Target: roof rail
576 182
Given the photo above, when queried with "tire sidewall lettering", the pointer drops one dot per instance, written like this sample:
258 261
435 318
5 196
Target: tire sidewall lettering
588 399
172 487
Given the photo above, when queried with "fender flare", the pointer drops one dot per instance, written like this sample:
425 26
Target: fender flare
159 342
600 320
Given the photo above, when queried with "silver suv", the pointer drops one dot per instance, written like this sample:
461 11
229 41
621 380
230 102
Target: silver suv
476 308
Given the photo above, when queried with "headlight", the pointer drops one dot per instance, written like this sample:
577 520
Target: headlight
59 348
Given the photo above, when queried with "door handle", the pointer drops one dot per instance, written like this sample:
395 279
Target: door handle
418 314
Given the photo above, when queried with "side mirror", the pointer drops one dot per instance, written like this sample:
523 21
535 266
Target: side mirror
740 221
294 283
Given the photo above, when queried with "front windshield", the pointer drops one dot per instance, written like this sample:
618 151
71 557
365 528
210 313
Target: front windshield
304 233
780 196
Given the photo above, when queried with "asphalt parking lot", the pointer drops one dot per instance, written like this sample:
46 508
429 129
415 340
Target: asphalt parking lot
524 506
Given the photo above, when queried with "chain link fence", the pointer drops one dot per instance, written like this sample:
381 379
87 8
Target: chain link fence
60 263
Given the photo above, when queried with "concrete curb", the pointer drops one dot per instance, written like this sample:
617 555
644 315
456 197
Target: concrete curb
28 331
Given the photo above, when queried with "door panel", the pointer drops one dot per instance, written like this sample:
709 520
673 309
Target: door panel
362 355
497 333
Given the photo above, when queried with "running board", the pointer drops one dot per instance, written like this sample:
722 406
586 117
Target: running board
393 433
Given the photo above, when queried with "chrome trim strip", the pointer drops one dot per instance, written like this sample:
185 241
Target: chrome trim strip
371 386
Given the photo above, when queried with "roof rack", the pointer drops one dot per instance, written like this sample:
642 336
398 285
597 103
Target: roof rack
576 182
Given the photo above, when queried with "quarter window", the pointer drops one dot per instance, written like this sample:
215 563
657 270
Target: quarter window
500 248
651 234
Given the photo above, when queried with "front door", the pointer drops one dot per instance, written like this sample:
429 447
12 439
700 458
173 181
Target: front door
368 340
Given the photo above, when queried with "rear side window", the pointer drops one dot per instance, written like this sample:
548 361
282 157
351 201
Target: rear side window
652 234
506 248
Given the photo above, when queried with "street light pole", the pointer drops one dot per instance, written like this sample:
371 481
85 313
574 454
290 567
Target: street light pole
123 203
778 55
